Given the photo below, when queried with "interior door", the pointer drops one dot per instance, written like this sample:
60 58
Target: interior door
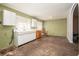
75 24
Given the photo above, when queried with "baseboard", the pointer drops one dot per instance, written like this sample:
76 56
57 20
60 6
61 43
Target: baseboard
56 36
26 43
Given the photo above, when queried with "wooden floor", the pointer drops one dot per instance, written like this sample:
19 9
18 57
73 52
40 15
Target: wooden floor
47 46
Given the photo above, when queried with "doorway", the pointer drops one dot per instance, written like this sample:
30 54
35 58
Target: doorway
75 24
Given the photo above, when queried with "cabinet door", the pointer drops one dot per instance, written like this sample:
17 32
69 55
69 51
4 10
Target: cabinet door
26 38
9 18
39 25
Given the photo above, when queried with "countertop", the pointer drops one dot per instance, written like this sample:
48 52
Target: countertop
24 32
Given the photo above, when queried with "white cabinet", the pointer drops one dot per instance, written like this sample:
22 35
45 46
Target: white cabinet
9 18
33 23
39 25
22 38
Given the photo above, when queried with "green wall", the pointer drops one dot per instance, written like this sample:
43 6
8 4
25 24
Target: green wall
56 27
6 31
5 36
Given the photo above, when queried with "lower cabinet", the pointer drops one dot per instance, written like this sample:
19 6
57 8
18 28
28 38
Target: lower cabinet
24 38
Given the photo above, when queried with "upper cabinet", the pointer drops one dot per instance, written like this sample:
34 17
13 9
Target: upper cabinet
9 18
39 25
33 23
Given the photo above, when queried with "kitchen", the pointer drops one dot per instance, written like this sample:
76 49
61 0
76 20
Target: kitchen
22 29
38 29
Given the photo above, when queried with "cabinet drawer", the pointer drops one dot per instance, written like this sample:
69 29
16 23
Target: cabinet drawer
25 38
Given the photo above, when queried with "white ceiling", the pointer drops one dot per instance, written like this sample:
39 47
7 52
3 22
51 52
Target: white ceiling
43 11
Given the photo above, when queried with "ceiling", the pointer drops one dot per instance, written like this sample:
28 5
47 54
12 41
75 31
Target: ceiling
44 11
